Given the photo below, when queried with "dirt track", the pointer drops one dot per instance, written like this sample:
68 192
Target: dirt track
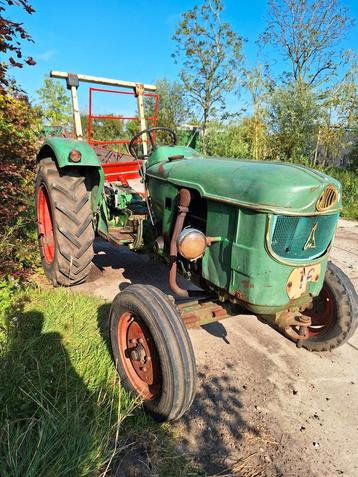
263 407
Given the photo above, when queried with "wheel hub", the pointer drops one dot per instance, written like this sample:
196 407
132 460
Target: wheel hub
140 356
139 352
322 312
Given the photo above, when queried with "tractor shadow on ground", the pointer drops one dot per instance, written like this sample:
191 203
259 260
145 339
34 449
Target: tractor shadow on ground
213 432
216 329
137 268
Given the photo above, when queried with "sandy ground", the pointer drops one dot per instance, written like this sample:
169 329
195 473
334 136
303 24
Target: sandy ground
263 407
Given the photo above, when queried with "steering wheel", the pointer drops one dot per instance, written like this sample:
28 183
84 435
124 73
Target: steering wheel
149 132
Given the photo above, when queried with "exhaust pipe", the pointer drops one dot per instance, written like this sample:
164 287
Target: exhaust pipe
183 207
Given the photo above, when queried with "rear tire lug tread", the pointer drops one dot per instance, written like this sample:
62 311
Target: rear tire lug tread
68 213
73 226
69 236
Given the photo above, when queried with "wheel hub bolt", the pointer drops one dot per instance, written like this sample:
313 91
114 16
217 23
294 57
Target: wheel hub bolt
133 341
303 319
134 355
141 341
144 369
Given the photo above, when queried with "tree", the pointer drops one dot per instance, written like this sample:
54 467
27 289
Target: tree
337 137
19 125
349 114
173 109
227 140
11 34
210 52
105 129
347 101
294 119
257 82
55 104
308 32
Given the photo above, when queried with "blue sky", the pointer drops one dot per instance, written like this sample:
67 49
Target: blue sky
124 39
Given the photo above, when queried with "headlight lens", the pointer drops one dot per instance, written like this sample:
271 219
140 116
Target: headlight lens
191 243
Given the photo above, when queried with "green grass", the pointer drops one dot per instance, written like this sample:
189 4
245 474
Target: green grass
62 410
349 181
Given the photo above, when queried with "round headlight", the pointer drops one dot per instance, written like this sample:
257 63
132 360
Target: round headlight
191 243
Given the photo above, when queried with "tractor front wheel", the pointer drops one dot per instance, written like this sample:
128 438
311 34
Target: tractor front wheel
152 351
334 312
64 223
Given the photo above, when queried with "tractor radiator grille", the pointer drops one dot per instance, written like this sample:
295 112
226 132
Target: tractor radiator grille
302 238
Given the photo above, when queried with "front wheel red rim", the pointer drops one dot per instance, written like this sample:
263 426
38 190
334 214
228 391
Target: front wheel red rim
323 313
139 356
45 224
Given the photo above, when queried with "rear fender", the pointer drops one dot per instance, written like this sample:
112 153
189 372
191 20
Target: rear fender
59 149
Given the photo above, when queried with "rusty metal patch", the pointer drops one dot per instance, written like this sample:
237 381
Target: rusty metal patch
195 314
299 278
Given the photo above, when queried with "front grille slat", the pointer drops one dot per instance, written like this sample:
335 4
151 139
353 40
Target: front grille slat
302 238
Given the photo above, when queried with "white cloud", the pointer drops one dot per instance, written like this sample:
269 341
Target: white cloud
47 55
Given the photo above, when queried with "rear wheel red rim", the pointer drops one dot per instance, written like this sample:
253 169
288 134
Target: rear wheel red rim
322 313
45 224
139 356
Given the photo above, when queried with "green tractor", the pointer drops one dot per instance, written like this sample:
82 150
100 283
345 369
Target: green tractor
250 234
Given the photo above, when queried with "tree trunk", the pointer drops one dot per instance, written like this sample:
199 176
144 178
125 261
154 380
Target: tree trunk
205 127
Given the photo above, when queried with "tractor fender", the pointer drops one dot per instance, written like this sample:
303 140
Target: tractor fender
60 148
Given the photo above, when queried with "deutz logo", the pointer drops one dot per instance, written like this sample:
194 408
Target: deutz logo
311 240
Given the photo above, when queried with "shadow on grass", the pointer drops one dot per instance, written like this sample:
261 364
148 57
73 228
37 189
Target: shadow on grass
45 406
62 413
103 324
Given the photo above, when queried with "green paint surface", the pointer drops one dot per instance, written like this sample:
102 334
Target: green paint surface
243 198
261 185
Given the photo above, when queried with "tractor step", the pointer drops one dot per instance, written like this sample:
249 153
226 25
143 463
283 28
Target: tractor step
198 313
118 236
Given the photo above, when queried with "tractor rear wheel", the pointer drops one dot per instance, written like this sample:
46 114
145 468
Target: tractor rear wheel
64 222
334 312
152 351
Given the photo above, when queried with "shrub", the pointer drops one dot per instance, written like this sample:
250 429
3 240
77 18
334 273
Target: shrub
19 127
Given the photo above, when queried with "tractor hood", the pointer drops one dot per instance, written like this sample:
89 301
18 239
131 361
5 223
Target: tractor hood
276 187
